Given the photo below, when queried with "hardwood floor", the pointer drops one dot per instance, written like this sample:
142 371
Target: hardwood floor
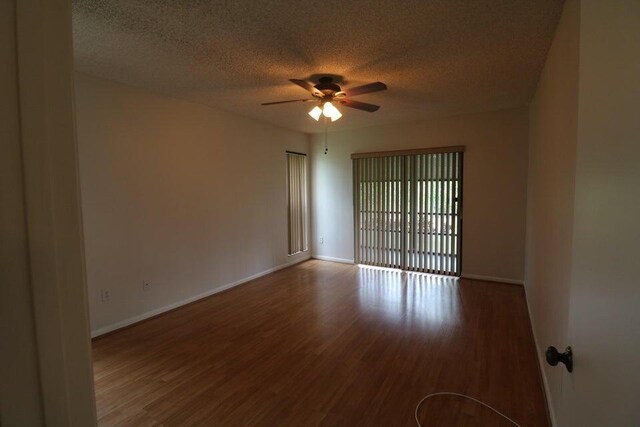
327 344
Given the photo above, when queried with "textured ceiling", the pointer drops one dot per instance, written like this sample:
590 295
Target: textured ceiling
437 57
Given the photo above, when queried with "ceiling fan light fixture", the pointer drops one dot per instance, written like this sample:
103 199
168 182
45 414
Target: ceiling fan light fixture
315 113
327 109
327 91
330 111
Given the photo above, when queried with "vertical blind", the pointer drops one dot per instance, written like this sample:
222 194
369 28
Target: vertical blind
407 209
297 202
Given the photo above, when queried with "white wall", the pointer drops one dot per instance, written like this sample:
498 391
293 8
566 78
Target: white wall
604 319
584 205
552 156
186 197
495 172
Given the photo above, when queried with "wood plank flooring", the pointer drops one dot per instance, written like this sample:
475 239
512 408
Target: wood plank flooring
327 344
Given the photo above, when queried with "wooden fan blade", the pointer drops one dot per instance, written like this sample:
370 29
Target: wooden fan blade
371 87
307 86
292 100
359 105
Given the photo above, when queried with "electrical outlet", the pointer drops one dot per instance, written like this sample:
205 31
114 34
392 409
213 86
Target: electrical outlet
321 240
146 286
105 295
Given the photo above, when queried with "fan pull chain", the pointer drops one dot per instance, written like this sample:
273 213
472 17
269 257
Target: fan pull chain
326 126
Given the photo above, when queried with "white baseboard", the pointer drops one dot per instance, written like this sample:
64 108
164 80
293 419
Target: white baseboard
493 279
332 259
541 363
160 310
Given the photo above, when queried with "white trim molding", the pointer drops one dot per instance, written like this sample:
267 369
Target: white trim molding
541 365
493 279
135 319
332 259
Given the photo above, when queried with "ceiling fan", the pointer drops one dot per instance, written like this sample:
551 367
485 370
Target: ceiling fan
326 93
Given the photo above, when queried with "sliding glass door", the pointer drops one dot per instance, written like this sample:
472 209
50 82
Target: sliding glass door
407 209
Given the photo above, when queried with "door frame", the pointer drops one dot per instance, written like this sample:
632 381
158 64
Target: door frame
42 216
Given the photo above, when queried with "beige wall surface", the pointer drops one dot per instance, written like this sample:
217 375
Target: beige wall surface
495 173
552 153
604 319
584 205
180 195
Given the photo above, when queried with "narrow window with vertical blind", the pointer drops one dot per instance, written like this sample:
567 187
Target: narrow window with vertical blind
408 209
297 211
